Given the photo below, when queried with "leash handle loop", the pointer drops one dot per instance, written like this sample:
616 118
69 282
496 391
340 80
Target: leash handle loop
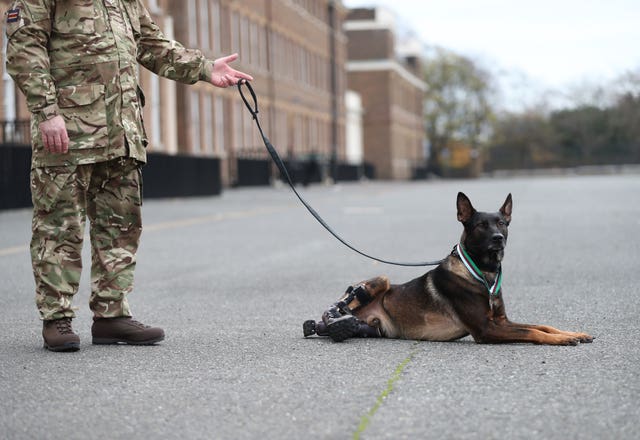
253 109
283 171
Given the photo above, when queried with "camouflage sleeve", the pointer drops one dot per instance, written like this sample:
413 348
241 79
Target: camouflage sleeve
169 58
28 26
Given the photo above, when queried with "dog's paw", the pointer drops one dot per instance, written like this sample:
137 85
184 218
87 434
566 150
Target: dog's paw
585 338
565 339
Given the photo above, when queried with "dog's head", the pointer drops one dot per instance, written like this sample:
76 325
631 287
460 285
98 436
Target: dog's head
485 233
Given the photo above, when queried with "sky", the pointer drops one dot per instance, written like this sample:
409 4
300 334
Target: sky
532 47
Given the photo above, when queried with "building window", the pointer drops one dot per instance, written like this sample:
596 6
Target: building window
282 132
237 126
235 32
156 111
219 124
217 31
264 55
207 121
205 35
192 11
196 140
245 47
248 129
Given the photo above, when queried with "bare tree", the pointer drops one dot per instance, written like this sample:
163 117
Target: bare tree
457 104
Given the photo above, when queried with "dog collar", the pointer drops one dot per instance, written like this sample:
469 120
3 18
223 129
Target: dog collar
477 273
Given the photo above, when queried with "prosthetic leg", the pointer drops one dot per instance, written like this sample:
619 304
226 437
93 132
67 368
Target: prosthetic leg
338 321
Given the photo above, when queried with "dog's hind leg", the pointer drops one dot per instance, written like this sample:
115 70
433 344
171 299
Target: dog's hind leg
319 328
338 321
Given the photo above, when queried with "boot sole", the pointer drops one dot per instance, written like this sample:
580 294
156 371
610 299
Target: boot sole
342 329
68 347
114 341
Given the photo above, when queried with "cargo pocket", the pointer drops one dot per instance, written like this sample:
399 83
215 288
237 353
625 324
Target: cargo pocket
75 17
85 114
49 183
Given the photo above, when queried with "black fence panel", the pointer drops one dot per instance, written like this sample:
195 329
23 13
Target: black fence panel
369 171
163 176
349 173
254 172
181 176
15 167
420 173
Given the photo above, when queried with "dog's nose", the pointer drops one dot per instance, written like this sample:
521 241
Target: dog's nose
497 238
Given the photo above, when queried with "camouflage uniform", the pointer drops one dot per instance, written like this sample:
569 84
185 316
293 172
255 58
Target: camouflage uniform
79 59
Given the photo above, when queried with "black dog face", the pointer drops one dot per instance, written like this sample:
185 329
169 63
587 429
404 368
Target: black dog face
485 233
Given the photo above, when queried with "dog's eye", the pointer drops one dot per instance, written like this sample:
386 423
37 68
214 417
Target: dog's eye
501 223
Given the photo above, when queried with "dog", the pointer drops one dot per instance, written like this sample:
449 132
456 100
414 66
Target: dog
461 296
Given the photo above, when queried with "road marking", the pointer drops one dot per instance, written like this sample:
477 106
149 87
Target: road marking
13 250
366 419
233 215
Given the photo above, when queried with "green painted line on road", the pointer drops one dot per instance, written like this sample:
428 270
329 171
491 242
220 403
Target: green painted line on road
366 419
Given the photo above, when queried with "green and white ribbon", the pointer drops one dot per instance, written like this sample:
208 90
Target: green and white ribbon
477 273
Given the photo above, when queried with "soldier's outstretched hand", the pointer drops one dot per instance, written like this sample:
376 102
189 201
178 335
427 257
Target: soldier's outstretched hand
224 75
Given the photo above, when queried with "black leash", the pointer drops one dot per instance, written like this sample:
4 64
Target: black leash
283 170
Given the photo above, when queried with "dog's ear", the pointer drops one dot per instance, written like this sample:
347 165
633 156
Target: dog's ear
465 209
506 209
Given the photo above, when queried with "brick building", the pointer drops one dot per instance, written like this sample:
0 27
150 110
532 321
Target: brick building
296 51
392 93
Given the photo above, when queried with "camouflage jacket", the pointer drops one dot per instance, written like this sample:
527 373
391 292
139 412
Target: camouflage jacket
79 59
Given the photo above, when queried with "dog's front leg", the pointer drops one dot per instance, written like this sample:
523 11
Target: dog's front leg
495 333
493 327
582 337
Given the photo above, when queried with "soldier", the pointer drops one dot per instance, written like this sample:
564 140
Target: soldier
77 64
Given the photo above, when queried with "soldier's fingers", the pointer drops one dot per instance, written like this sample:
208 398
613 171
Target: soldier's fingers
56 143
241 75
64 138
47 141
229 58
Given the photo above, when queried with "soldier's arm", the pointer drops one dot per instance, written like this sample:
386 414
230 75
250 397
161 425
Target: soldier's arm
28 29
169 58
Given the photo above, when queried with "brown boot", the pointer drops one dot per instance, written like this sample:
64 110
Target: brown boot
59 336
124 330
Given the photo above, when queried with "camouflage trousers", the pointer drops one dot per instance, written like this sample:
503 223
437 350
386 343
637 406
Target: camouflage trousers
110 195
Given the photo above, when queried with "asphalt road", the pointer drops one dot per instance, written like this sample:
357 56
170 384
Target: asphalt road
232 278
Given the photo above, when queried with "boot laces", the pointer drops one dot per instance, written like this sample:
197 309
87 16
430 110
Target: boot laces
138 324
64 326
